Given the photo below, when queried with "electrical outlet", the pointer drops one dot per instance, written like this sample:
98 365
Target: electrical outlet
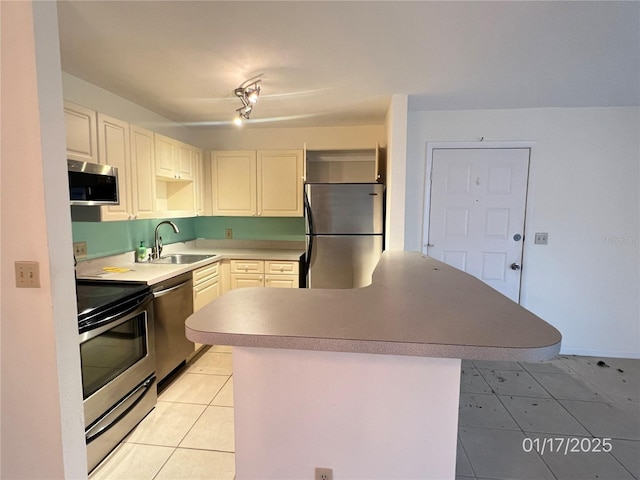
541 238
324 474
27 274
228 233
80 250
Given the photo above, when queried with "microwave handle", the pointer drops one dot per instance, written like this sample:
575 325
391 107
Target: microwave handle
119 411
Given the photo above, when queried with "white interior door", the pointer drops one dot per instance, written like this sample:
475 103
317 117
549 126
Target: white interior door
477 213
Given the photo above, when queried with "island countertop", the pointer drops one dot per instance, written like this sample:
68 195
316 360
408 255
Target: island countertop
415 306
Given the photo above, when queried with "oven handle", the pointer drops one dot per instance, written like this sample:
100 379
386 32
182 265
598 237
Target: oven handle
109 323
119 411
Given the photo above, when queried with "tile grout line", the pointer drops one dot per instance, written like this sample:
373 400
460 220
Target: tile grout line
514 419
592 435
464 450
178 447
175 449
608 402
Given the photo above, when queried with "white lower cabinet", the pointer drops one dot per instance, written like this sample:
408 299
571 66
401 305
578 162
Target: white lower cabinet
263 273
244 280
246 273
281 281
206 285
206 288
281 274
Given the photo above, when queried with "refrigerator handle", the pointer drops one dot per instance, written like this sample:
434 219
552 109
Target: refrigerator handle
310 236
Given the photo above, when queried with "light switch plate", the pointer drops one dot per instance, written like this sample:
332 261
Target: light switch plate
27 274
541 238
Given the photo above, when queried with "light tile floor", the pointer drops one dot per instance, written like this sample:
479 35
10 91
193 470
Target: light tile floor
189 435
508 410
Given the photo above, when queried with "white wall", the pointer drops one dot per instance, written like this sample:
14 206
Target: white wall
396 125
41 408
584 191
315 138
91 96
233 138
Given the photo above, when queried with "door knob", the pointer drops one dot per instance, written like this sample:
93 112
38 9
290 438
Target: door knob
515 266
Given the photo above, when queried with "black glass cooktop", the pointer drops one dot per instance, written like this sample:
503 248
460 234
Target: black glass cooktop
96 298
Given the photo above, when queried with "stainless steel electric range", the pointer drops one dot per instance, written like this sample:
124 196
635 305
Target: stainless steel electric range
117 353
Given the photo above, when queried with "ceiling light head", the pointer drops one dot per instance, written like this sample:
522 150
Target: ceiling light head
243 114
248 93
253 93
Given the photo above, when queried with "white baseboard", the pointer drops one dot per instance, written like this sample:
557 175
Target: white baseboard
598 353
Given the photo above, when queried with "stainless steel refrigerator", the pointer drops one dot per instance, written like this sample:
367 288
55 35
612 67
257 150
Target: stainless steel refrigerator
345 233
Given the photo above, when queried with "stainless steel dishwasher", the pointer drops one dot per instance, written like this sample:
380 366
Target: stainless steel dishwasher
172 304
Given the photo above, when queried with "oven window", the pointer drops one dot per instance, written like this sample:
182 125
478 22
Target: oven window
110 353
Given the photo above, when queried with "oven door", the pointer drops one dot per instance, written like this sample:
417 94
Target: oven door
116 358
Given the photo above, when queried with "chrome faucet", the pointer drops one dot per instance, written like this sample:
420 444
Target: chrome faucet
157 246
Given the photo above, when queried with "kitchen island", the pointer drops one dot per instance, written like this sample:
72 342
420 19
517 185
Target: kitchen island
363 381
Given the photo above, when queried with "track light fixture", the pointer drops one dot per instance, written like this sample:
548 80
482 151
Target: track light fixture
248 93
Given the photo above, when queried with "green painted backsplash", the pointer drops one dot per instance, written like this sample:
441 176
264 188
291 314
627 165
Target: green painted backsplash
251 228
112 238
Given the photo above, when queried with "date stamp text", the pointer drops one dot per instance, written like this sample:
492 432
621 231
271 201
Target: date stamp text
567 445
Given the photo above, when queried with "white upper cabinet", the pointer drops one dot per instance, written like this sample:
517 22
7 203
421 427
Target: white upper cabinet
174 159
263 183
114 150
184 165
280 183
81 133
157 175
202 183
143 172
233 183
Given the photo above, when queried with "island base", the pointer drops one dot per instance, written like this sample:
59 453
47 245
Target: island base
365 416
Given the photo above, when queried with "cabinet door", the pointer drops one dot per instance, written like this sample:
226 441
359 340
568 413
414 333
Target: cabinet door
206 273
281 267
81 133
165 154
281 281
280 183
184 163
205 293
247 266
114 150
143 191
201 182
243 280
233 183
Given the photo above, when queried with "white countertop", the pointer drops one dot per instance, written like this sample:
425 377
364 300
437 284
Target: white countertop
415 306
153 273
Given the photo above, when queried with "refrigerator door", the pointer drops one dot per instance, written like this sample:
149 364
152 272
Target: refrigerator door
345 208
343 261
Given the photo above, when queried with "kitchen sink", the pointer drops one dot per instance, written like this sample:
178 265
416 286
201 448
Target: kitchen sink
182 258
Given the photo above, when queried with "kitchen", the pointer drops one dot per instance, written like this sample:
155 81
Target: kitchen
616 249
238 264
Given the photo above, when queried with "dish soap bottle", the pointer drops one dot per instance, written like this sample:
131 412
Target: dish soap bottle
141 253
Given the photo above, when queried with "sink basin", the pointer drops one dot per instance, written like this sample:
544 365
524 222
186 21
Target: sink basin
182 258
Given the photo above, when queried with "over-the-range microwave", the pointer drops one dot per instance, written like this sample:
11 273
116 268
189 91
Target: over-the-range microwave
92 184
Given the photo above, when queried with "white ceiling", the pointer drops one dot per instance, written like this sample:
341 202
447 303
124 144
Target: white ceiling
338 63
